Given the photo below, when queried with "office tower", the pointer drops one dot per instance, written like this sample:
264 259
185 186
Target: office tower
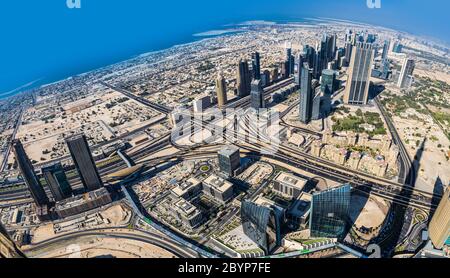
308 53
406 74
328 85
330 212
256 65
348 53
262 224
358 83
221 90
229 160
384 54
257 95
284 69
8 249
84 163
439 228
316 105
27 172
290 59
265 78
371 38
397 48
243 79
57 181
306 96
298 75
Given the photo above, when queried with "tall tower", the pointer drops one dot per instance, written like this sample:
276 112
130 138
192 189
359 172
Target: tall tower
221 90
386 47
82 158
439 229
306 94
27 172
256 64
57 181
257 95
243 79
406 73
358 83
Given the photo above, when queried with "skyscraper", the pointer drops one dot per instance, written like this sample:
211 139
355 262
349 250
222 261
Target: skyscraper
328 81
348 53
406 73
257 95
221 90
261 224
330 212
57 181
306 94
358 83
229 160
84 163
386 46
256 65
298 75
8 249
243 79
28 174
439 229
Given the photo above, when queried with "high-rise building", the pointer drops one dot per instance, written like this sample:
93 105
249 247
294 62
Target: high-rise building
298 75
306 94
262 224
328 85
288 58
243 79
330 212
358 82
397 48
348 53
8 249
57 181
84 163
27 171
257 95
386 46
256 65
229 160
221 90
439 229
406 74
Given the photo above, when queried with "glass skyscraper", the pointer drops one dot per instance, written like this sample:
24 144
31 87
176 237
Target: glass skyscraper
262 225
57 181
229 160
330 212
82 158
306 94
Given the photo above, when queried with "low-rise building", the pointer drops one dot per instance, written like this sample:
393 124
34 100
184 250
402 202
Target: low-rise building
218 188
288 185
187 189
83 203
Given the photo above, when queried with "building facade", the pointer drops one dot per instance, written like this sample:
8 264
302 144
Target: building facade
439 229
84 163
330 212
57 181
358 82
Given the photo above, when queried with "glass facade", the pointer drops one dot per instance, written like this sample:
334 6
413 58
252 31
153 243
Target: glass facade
330 212
57 182
262 225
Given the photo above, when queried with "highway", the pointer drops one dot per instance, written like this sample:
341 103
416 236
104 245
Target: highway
13 136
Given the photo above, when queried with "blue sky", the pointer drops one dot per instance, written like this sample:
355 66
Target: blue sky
44 39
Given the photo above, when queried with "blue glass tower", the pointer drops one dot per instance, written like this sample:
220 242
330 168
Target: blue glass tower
262 225
330 212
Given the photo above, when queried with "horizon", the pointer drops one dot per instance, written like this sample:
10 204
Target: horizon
21 74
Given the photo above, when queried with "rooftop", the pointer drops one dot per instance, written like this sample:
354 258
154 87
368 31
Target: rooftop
218 183
228 150
291 180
